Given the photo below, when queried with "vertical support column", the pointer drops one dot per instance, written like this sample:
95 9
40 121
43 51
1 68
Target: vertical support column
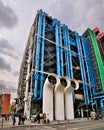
69 53
34 30
26 108
66 51
29 104
82 113
61 51
70 59
42 58
57 48
37 55
81 66
90 71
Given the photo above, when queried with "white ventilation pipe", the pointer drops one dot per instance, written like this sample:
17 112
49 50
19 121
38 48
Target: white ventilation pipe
48 105
69 110
59 99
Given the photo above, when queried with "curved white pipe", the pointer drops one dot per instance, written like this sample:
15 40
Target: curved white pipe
69 110
59 99
49 84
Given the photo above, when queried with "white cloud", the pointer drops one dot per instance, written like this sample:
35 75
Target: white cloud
7 15
88 14
9 68
77 14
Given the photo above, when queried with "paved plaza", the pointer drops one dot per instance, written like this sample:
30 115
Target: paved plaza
76 124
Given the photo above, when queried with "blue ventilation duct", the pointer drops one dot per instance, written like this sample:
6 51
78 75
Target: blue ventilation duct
69 54
61 51
57 47
39 56
82 68
66 51
42 58
89 67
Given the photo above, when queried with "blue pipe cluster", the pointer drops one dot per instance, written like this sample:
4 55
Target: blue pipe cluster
62 47
82 67
61 51
66 51
57 33
63 42
70 55
39 58
89 67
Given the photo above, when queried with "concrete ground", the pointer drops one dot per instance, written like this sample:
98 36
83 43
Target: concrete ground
5 124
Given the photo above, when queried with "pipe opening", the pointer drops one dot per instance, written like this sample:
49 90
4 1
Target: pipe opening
73 84
52 79
63 82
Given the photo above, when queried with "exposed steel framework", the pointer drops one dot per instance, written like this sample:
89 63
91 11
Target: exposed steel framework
53 48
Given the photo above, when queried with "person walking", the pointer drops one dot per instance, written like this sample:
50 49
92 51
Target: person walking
23 119
19 119
14 120
44 117
48 120
38 118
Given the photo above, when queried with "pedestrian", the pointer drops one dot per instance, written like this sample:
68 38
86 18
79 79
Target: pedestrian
41 118
23 119
8 117
19 119
14 120
38 118
48 120
44 118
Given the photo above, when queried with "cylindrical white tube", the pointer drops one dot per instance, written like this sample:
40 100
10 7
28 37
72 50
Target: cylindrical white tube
82 115
69 110
49 84
59 99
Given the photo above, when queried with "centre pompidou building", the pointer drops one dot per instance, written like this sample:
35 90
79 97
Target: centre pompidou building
53 48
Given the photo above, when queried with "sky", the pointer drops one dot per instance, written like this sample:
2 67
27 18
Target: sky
16 18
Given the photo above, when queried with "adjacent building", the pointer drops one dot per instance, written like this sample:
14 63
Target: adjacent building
5 104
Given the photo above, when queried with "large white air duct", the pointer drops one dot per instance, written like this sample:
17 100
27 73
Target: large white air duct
69 110
59 99
49 85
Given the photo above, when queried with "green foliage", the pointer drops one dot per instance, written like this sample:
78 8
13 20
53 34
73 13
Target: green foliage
12 107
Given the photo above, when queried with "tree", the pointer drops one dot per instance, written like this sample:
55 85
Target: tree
12 107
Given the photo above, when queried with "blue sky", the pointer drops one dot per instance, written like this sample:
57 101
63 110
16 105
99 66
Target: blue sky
16 18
